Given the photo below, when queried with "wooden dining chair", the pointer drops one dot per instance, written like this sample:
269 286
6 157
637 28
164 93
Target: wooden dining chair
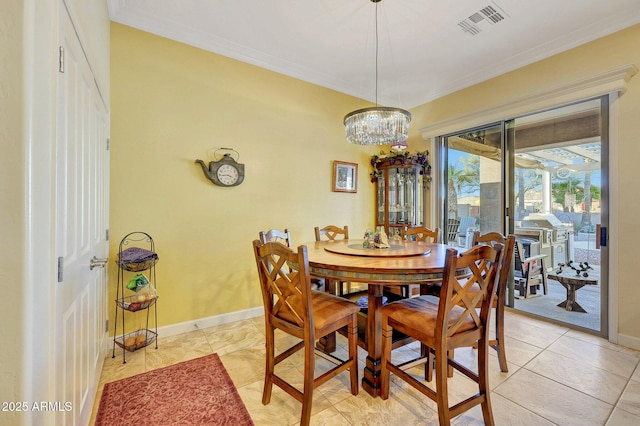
490 239
291 306
332 233
421 233
284 237
499 300
418 233
443 324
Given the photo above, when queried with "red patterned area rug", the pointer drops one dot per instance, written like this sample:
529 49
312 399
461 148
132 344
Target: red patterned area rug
196 392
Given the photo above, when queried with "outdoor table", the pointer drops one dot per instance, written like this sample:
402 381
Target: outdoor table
572 283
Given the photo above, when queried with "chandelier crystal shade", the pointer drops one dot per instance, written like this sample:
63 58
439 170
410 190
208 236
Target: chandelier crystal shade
377 125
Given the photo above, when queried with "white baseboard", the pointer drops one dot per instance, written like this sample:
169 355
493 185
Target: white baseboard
185 327
188 326
629 341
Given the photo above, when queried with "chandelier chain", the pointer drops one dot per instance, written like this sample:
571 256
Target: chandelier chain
376 26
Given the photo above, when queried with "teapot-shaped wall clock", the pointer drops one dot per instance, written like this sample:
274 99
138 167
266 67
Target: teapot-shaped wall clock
224 172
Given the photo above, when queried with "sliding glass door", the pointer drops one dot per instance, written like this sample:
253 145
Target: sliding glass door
559 211
475 185
541 177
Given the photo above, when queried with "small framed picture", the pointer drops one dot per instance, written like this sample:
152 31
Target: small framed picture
345 177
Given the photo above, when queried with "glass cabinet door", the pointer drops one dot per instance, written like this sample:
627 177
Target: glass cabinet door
400 199
381 201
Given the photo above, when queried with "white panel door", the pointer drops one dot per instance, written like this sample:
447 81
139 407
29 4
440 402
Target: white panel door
81 190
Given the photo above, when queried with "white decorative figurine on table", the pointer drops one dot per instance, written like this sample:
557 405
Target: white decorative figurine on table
380 240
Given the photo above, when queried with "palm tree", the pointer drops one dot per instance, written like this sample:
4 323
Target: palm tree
573 186
461 180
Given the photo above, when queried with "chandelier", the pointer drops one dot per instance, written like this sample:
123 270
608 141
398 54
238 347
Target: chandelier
377 125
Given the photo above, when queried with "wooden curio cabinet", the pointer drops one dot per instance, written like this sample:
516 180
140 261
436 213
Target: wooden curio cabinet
400 193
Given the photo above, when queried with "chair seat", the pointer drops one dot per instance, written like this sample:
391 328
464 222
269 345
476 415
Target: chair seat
327 308
419 315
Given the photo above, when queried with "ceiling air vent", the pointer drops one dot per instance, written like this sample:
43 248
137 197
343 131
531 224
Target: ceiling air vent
492 14
488 15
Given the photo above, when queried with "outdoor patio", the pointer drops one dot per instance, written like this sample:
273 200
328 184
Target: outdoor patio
588 296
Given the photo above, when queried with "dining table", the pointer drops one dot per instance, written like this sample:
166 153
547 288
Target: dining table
402 263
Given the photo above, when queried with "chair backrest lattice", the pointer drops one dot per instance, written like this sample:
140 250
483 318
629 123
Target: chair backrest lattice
283 237
458 299
488 238
286 295
509 242
276 235
332 232
421 233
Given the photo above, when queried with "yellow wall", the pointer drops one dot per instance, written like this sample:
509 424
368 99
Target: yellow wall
171 104
585 61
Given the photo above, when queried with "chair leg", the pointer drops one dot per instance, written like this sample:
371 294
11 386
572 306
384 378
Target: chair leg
269 366
426 352
387 343
483 381
307 395
499 344
442 392
353 353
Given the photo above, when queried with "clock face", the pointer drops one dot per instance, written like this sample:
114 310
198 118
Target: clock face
227 174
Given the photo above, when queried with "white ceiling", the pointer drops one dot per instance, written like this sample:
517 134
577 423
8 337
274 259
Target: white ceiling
424 53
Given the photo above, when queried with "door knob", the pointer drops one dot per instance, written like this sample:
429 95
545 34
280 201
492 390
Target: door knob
96 262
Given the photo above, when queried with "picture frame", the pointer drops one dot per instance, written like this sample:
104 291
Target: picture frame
345 177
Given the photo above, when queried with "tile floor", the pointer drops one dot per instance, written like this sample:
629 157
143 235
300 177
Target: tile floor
556 376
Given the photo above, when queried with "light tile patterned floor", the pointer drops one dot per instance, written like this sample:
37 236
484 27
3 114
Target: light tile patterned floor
556 376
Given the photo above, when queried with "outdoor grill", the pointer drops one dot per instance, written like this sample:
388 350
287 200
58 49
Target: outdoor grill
544 234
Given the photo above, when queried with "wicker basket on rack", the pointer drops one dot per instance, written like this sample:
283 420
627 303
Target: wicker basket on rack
138 301
136 259
136 340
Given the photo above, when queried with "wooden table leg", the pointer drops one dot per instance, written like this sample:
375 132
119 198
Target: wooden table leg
571 304
371 376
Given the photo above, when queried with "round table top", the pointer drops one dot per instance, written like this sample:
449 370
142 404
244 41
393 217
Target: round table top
400 248
328 260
